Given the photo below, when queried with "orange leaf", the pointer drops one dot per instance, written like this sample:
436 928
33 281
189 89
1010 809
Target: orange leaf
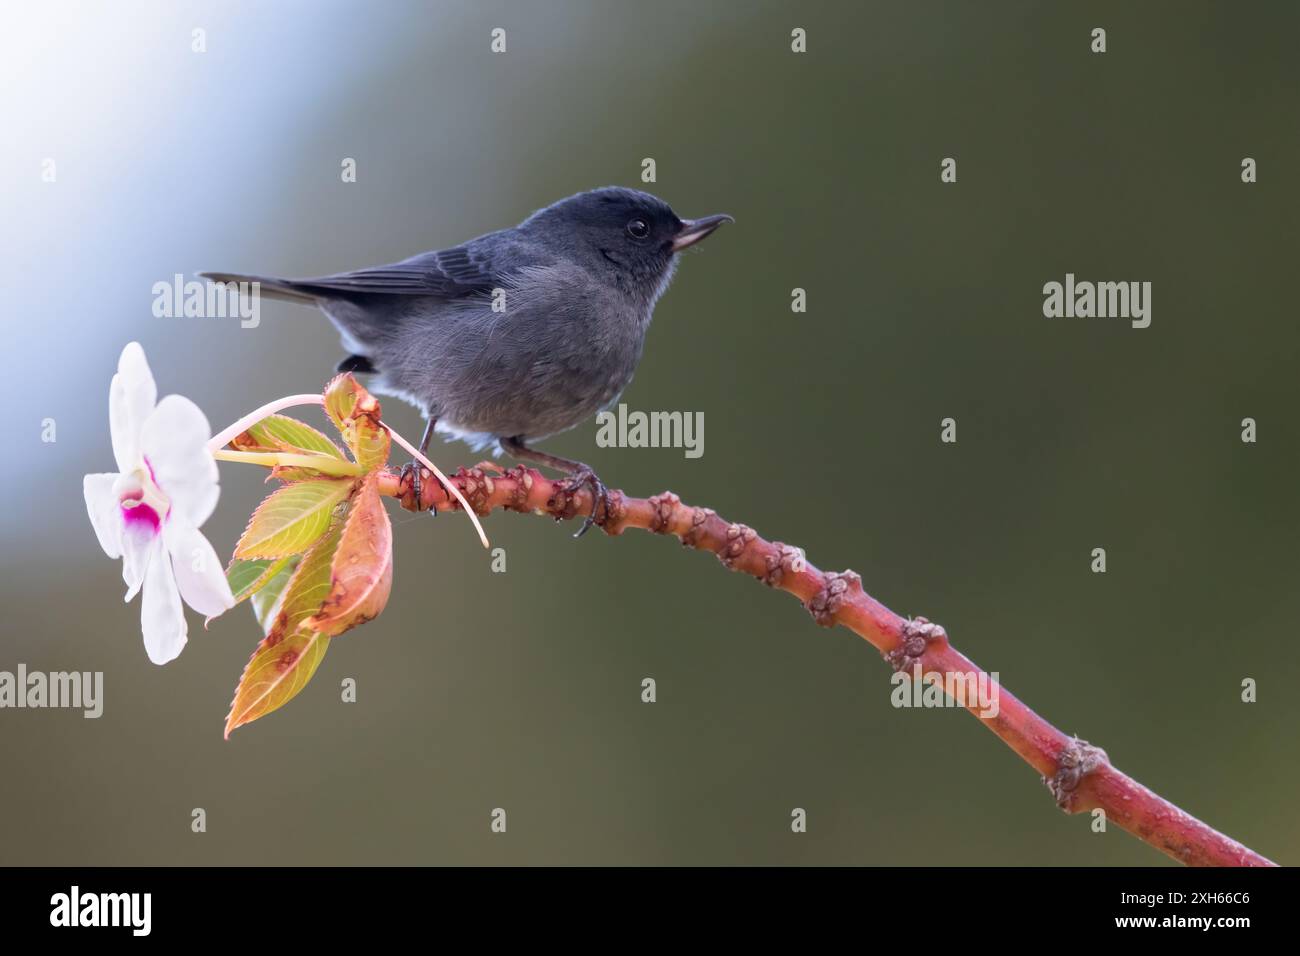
356 414
361 574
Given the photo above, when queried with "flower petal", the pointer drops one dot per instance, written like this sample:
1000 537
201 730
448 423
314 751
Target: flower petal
198 571
162 618
141 546
105 516
131 398
174 443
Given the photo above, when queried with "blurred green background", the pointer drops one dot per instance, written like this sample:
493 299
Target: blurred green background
522 690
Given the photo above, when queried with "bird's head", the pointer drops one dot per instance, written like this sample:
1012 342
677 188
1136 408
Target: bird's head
624 232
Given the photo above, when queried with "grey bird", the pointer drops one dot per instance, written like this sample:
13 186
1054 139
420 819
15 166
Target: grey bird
518 334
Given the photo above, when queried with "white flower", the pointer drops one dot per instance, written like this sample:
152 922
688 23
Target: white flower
149 513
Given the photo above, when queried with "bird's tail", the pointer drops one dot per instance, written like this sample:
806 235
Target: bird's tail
271 287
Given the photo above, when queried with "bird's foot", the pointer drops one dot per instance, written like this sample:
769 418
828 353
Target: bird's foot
585 477
410 476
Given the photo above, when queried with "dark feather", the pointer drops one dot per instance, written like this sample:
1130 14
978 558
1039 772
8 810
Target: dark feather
356 363
448 273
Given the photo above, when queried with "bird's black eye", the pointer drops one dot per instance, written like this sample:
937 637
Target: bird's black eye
638 229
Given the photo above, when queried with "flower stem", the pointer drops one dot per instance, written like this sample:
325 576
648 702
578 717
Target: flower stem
224 438
322 463
451 487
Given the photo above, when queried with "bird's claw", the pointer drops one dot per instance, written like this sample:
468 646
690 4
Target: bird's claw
411 472
599 497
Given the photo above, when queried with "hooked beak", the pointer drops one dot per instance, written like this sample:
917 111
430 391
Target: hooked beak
693 230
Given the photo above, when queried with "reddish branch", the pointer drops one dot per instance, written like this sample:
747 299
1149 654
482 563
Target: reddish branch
1079 775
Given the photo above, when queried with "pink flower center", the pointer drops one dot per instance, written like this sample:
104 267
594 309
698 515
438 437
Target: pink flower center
139 515
143 503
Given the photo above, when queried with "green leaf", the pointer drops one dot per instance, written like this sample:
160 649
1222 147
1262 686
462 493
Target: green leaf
247 577
291 518
275 674
288 656
281 433
266 602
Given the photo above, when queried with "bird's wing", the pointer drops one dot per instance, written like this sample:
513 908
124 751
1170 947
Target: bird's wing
448 273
